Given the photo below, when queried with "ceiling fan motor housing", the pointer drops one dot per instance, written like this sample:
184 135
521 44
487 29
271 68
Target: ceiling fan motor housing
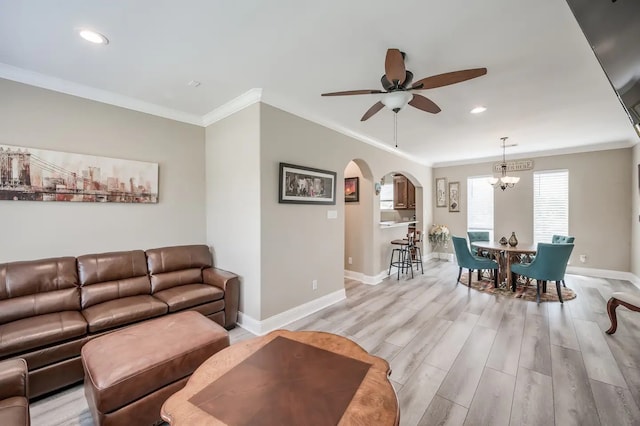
390 87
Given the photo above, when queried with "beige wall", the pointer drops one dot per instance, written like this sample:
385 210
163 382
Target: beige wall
635 211
233 200
299 244
599 205
39 118
354 231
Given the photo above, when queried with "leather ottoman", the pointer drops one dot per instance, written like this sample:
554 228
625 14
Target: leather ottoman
131 372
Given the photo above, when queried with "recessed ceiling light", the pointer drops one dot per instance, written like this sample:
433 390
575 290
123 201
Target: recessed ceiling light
194 83
93 37
478 110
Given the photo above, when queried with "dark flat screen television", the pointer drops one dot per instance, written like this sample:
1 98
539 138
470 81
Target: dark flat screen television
612 28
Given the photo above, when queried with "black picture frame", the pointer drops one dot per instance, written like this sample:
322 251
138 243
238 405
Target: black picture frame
306 185
351 190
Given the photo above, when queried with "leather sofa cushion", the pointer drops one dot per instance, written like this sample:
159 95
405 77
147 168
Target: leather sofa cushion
99 268
112 290
177 266
38 331
14 411
38 287
119 312
187 296
167 280
123 366
168 259
110 276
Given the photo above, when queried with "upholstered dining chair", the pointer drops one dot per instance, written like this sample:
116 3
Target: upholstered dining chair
477 236
562 239
549 264
467 260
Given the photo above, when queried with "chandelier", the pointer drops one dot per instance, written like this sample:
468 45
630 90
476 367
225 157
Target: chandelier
503 182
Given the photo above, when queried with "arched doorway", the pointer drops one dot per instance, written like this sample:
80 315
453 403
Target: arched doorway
394 213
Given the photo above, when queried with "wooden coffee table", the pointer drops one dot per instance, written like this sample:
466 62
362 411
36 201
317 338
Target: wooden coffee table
285 377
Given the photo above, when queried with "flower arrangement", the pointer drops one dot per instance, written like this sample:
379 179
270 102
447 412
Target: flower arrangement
439 235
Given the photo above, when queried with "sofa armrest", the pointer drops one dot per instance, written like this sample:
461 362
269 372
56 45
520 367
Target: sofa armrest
230 284
14 378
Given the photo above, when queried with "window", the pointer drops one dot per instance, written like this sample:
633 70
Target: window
386 196
480 205
550 205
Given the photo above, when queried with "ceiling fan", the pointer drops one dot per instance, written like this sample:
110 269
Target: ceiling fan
396 83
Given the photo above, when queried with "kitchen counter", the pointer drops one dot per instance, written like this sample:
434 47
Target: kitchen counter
393 224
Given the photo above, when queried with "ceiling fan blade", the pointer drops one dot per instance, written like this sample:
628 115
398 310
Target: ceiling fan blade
394 66
448 78
424 104
353 92
375 108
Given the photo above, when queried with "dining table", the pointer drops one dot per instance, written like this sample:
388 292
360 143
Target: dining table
505 255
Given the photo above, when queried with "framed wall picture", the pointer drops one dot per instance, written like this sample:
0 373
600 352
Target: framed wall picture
306 185
454 196
351 189
31 174
441 192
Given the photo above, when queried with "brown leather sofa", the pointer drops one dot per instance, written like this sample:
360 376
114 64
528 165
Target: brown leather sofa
50 308
14 388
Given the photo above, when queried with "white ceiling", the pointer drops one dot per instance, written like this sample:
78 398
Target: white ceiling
544 87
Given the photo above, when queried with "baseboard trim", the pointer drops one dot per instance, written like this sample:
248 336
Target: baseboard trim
277 321
441 256
605 273
365 279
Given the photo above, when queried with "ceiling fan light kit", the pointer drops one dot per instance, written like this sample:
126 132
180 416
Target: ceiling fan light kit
396 83
504 181
395 101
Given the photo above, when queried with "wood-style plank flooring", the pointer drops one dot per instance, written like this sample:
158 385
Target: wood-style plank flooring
461 357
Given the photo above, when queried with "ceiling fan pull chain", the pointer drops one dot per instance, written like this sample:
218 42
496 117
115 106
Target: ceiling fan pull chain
395 128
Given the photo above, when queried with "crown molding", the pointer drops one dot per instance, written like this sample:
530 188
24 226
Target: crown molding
536 154
234 105
33 78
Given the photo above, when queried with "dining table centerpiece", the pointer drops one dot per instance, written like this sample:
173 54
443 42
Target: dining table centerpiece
439 235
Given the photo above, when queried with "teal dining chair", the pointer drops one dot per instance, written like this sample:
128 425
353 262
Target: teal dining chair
549 264
467 260
562 239
477 236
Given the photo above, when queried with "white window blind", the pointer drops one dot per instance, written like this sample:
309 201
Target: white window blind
550 205
480 205
386 196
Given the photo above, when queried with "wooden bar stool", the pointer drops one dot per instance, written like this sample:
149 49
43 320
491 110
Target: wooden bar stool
416 253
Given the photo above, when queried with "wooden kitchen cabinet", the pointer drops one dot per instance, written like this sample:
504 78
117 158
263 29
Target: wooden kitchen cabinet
399 192
411 195
404 193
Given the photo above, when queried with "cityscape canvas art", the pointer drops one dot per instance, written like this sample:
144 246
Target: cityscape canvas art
42 175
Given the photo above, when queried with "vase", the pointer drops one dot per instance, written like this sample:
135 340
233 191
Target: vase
513 241
504 241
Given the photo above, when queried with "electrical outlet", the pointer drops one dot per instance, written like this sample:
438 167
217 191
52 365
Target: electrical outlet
314 284
350 261
583 258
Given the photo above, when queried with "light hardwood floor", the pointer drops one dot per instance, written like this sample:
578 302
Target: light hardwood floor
459 356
